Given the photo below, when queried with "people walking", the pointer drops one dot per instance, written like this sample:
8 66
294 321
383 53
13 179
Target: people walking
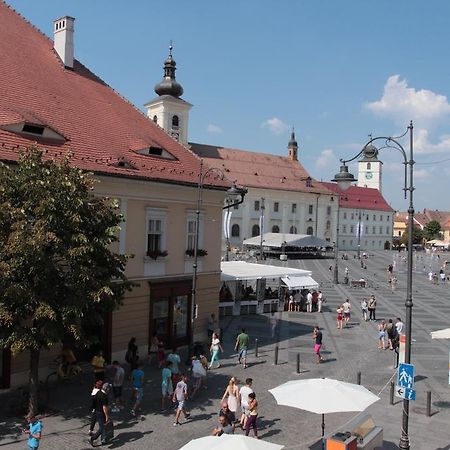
137 378
309 302
364 309
198 375
400 326
231 395
179 397
98 364
214 350
346 309
392 334
243 395
339 317
166 384
320 301
34 432
291 303
382 335
241 347
117 384
273 320
253 415
175 359
372 307
317 336
101 407
224 426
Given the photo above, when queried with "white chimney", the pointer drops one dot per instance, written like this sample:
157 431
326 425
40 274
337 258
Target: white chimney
63 43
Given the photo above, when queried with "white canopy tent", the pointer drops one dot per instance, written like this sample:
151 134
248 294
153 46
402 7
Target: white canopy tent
241 270
278 240
300 282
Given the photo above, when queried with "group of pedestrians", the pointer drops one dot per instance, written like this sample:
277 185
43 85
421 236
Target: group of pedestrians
389 334
312 300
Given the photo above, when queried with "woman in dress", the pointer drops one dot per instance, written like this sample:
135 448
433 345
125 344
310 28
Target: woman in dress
214 350
233 400
340 317
382 335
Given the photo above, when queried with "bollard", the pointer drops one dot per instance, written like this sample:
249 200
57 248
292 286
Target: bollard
391 395
256 347
358 378
428 403
276 355
298 362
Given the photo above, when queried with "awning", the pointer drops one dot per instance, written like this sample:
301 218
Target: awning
300 282
278 240
441 334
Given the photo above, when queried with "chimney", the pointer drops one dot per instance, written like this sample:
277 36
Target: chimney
63 42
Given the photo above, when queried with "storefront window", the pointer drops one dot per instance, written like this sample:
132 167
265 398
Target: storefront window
161 316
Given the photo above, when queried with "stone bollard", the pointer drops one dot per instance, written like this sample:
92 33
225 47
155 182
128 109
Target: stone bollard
428 403
298 362
256 347
276 355
358 378
391 394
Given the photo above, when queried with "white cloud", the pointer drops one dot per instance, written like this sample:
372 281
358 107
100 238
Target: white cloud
211 128
403 103
275 125
327 160
422 174
422 144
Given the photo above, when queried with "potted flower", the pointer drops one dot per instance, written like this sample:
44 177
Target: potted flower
200 252
155 254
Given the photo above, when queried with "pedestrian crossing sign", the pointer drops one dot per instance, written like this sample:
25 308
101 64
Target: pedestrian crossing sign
405 376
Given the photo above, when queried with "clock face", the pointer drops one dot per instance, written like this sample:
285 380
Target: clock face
175 135
369 175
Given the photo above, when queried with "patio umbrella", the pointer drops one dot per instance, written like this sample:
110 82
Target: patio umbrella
323 396
441 334
227 441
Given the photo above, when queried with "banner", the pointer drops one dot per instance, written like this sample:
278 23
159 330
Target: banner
261 223
359 229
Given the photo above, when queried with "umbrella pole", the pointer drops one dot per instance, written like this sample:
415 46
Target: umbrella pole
323 431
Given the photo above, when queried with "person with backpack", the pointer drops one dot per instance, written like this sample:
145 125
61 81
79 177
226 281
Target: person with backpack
101 408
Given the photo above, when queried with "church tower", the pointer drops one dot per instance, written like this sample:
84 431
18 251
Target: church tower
370 168
293 147
169 110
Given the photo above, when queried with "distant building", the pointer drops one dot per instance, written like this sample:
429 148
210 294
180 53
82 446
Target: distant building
365 218
421 218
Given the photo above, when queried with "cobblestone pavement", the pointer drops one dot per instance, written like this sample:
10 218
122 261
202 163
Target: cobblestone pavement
347 352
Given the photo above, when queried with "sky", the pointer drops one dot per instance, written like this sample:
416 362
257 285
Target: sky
335 70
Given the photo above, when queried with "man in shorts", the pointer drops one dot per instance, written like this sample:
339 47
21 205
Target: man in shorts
137 376
180 396
243 393
346 307
119 376
241 347
317 336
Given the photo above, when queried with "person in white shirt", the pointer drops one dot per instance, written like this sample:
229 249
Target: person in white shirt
309 302
243 394
400 326
346 307
319 301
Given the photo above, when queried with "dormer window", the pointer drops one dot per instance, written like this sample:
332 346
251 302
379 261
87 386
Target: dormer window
309 182
155 119
157 152
34 130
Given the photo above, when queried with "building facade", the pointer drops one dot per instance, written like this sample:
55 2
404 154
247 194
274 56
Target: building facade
64 107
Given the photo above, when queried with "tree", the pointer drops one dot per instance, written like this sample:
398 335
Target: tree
417 236
432 230
57 270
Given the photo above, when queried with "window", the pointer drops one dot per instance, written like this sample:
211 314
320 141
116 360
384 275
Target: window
310 209
345 215
255 230
156 230
374 230
310 231
353 217
235 230
367 230
369 166
309 182
256 205
352 229
351 242
374 217
344 228
379 244
175 122
367 217
381 230
236 206
399 233
373 243
190 234
275 229
343 243
381 218
276 207
293 230
387 218
329 210
294 208
328 227
155 119
388 230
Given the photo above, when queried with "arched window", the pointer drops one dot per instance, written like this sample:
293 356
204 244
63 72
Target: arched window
255 230
328 224
275 229
293 230
310 231
235 230
175 122
369 166
155 119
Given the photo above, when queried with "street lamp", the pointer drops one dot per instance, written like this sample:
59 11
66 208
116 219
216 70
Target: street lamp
344 180
235 196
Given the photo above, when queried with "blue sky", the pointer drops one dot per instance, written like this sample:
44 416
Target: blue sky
336 70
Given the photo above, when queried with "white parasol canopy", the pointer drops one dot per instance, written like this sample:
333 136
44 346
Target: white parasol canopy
441 334
323 396
230 441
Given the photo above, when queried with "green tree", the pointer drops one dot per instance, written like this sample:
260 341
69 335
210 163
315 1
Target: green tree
417 236
57 270
432 230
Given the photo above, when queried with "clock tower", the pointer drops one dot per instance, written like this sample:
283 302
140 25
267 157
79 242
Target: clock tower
169 110
370 168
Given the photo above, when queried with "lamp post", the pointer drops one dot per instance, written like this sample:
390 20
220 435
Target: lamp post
344 179
261 229
235 197
359 234
336 252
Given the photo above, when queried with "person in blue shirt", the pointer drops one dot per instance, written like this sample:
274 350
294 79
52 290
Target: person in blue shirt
137 377
166 384
34 432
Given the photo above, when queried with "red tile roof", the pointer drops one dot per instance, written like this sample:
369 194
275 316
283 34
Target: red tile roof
427 215
101 128
356 197
259 170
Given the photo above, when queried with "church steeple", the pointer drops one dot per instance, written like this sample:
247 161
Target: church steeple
169 85
293 147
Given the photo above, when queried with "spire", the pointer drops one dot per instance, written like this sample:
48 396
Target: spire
169 85
293 147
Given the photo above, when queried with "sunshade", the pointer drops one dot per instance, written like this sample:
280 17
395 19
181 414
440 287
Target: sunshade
441 334
323 396
277 240
230 441
293 282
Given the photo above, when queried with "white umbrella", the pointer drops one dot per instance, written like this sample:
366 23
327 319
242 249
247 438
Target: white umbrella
227 441
323 396
441 334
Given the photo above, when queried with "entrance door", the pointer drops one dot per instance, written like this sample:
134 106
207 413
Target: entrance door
5 368
160 319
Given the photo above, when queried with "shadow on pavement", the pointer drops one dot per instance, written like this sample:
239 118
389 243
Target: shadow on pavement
127 438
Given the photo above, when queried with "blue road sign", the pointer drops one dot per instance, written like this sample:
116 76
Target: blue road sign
405 393
405 376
